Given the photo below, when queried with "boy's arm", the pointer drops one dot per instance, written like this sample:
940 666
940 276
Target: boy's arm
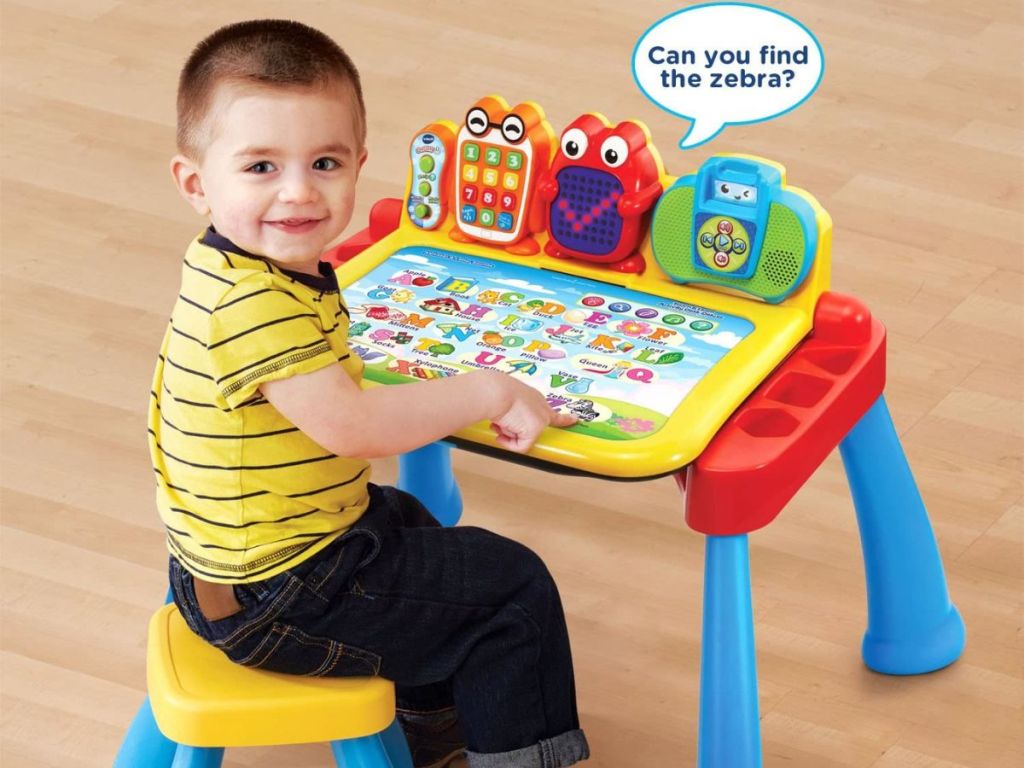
334 411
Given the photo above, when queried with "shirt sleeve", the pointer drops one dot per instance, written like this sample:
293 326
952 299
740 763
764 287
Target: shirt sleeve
260 333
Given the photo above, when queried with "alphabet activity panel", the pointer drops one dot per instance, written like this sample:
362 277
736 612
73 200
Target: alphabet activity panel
621 360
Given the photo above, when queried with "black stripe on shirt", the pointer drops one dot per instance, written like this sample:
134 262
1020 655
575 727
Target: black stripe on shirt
259 327
202 519
314 492
193 338
330 487
208 274
187 402
176 428
188 370
187 300
195 495
243 298
300 462
256 399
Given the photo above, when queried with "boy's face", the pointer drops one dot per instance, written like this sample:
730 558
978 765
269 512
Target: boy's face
279 173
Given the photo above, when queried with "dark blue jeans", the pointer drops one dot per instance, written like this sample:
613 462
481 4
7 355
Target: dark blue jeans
451 615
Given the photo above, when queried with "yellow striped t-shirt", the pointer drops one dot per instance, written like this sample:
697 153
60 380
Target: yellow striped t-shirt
242 492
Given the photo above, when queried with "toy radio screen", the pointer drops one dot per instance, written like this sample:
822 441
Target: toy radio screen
725 224
493 176
621 360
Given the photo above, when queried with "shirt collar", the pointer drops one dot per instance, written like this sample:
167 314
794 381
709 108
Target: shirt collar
327 281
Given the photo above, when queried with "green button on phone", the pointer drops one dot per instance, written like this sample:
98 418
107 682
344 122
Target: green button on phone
426 163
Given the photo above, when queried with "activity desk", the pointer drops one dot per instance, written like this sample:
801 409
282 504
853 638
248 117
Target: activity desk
687 322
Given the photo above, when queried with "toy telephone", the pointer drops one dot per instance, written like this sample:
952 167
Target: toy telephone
737 224
500 152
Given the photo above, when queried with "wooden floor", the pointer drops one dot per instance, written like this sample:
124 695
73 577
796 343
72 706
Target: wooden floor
914 144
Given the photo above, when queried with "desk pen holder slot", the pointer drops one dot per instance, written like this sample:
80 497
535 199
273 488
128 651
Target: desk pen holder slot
767 422
835 360
800 389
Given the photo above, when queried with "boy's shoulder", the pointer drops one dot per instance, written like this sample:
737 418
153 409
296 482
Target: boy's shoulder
215 275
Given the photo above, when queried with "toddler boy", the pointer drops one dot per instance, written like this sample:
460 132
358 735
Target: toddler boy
284 555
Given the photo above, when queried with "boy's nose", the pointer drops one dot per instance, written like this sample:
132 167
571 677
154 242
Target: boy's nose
298 191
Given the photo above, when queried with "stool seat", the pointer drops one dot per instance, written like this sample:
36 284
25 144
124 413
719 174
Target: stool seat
203 699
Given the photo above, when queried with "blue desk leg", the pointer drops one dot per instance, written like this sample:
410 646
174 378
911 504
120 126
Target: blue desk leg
730 730
426 473
912 625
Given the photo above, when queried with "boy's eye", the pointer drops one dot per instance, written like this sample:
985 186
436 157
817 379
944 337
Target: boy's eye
263 166
325 164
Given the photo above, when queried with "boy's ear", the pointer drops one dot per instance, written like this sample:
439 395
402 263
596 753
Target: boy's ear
362 159
190 185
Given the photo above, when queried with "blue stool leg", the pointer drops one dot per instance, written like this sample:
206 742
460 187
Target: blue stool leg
426 473
364 752
144 744
396 746
198 757
730 731
912 625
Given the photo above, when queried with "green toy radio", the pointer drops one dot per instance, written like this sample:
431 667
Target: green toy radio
735 223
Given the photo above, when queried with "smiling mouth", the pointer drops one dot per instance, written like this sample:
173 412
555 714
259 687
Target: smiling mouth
294 224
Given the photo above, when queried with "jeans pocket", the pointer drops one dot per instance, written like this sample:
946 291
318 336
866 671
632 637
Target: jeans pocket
287 649
261 603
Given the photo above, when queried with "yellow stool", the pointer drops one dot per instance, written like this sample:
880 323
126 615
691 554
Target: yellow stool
205 702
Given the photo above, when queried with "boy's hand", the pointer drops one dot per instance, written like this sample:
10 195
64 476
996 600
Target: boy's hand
330 408
526 417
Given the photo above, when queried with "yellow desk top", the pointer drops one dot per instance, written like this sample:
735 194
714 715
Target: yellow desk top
442 314
653 363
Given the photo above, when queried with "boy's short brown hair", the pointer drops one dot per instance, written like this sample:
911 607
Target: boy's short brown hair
271 52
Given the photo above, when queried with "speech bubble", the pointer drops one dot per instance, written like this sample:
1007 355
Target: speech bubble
727 64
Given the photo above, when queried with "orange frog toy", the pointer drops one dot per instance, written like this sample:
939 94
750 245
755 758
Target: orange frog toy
500 154
599 191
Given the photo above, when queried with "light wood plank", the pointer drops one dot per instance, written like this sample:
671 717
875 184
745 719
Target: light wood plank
915 145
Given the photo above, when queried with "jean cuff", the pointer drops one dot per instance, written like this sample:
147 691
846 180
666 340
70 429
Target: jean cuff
563 750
